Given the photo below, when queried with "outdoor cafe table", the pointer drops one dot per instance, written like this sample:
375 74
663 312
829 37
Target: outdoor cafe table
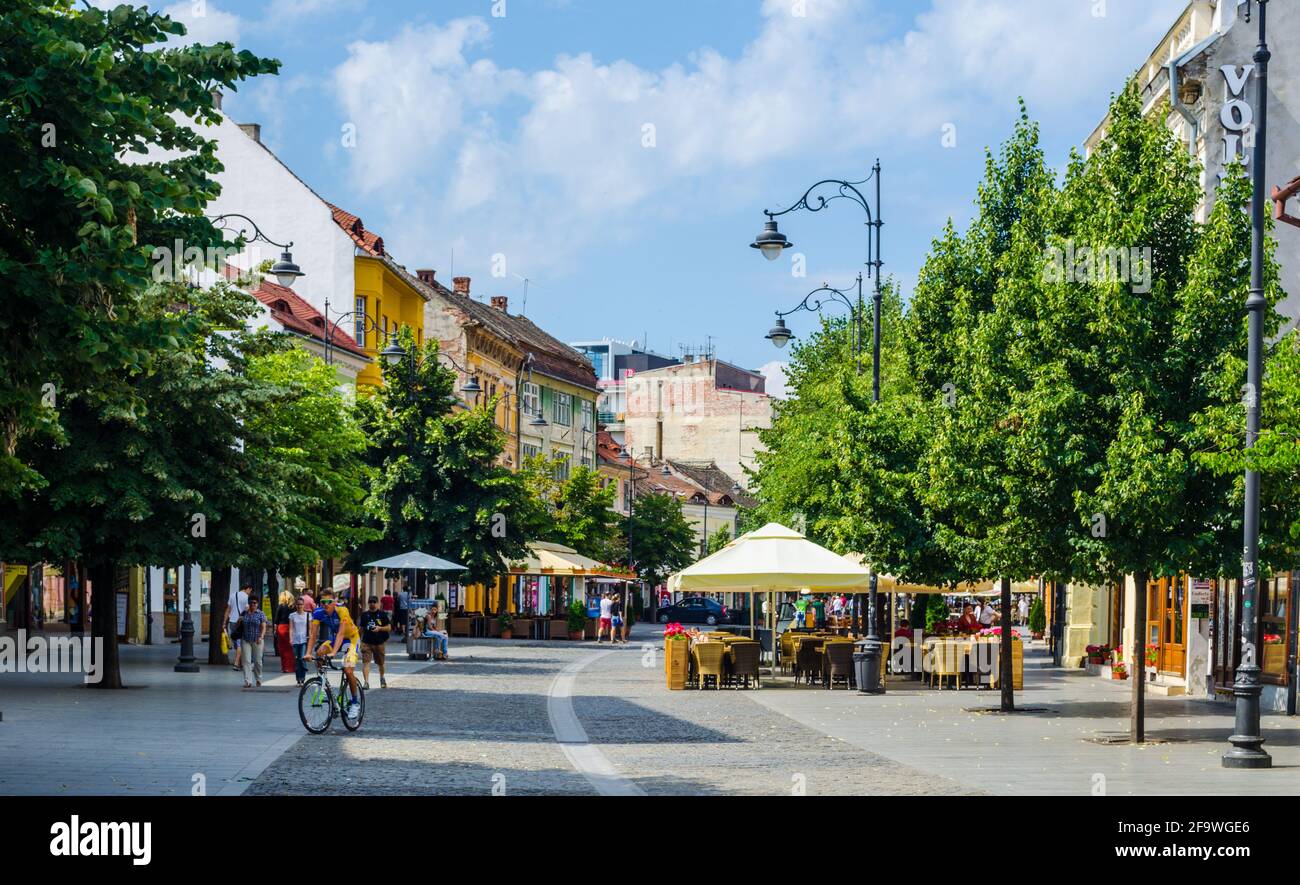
966 653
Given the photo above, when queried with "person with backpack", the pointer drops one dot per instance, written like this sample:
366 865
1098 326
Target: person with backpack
236 606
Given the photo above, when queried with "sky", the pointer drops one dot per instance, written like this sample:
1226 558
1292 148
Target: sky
618 155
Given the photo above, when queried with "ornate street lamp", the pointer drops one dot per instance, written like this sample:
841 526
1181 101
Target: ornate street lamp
1247 742
814 302
771 242
285 271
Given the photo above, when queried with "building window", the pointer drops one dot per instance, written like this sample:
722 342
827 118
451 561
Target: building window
531 451
359 322
532 399
562 467
627 497
564 409
588 416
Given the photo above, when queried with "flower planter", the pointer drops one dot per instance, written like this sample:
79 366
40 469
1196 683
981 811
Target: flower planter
1274 658
508 633
576 635
676 662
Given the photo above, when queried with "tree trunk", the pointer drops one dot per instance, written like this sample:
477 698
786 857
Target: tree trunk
217 616
1006 668
1137 667
273 588
104 623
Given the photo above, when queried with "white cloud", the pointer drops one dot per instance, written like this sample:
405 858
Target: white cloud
204 21
775 373
439 127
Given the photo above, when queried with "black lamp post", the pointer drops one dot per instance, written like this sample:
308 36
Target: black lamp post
391 354
631 498
771 242
814 301
186 662
1247 742
286 273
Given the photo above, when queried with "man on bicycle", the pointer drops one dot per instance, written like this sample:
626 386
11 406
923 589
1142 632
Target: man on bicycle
341 635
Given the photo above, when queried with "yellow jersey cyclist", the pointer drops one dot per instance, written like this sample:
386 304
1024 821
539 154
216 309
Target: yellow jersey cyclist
340 635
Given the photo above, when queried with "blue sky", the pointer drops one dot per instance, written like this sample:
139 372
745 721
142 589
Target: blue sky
525 137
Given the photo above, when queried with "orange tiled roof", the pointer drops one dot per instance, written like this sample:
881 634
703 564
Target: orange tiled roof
352 225
293 312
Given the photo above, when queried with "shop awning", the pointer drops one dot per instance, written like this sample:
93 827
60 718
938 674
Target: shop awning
548 558
771 559
417 560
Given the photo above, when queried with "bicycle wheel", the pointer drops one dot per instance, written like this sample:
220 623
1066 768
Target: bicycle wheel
316 705
348 722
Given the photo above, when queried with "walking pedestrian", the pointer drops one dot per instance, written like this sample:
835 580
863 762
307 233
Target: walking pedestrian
253 633
283 647
402 610
616 621
1022 610
375 630
298 638
236 606
606 615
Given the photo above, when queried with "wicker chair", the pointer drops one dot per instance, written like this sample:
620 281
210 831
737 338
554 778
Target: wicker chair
946 663
808 661
789 648
838 664
708 661
744 662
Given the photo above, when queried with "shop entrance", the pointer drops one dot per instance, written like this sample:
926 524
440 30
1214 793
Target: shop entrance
1167 624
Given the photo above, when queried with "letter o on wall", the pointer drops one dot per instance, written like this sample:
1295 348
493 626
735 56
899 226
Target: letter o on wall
1236 115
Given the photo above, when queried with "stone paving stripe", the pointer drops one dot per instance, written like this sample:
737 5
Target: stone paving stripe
249 773
572 737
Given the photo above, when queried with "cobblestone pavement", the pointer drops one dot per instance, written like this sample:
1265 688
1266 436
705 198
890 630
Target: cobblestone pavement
469 726
721 742
480 722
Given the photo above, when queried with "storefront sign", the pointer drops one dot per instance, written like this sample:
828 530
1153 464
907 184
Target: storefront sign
1199 598
1237 116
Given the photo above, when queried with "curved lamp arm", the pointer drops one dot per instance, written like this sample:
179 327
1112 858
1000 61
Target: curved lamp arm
815 304
222 222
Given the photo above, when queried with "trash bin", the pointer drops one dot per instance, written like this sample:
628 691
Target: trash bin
417 647
860 668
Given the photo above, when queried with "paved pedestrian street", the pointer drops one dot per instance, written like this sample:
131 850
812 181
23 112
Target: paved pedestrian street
531 718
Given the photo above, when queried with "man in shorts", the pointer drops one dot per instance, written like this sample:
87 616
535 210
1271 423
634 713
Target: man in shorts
335 622
375 630
606 618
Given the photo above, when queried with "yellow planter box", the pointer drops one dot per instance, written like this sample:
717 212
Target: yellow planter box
676 662
1275 659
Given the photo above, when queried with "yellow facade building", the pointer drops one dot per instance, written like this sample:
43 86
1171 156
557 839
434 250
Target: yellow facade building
386 297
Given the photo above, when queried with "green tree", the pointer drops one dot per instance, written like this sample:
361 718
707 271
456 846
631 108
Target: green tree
663 541
439 483
719 539
309 436
579 512
81 90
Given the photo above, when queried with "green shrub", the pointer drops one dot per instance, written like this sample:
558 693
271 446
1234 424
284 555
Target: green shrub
1037 616
577 616
936 612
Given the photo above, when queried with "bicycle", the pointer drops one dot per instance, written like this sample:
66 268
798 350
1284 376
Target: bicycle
318 703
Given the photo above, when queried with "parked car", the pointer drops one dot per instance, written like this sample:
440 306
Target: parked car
695 610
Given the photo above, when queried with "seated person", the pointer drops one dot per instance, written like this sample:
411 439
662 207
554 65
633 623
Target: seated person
439 638
904 630
968 623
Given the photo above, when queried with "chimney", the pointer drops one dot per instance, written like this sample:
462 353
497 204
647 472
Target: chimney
253 131
461 285
501 302
216 98
427 276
